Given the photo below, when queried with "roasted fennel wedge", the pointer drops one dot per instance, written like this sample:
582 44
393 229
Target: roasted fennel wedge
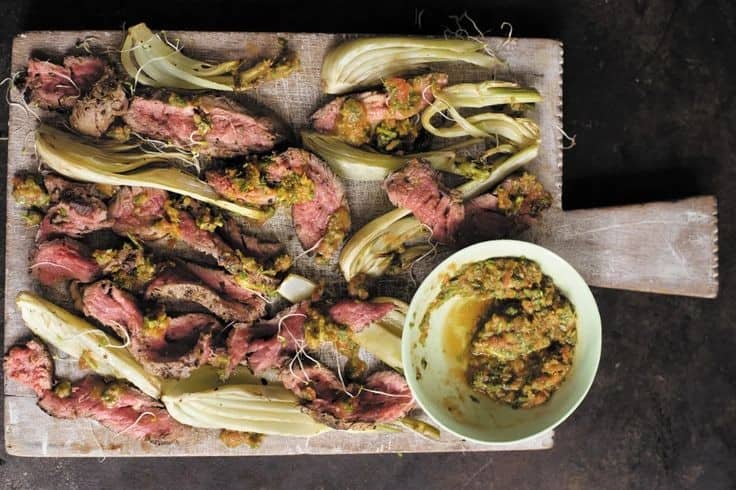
269 410
79 159
366 61
373 248
355 163
519 131
74 336
152 59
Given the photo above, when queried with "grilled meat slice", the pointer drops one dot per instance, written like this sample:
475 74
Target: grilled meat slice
113 307
60 188
117 405
417 187
380 118
77 208
250 245
166 346
267 344
150 215
178 291
324 220
211 126
358 314
206 242
62 259
139 211
94 113
52 86
172 347
225 283
385 397
30 365
511 207
295 177
243 185
234 131
158 118
483 221
85 70
74 218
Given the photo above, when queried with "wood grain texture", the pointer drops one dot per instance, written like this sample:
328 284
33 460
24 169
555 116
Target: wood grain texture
664 247
30 432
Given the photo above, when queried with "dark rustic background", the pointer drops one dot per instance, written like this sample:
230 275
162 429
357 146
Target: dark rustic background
649 92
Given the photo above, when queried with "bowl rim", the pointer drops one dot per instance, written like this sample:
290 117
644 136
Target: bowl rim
439 269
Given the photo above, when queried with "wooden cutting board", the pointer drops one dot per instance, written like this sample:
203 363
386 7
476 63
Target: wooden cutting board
661 247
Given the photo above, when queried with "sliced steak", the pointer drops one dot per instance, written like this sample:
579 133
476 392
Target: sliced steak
358 314
225 283
158 118
326 217
479 204
483 221
129 266
206 242
362 118
94 113
149 215
385 397
417 187
268 344
325 118
116 405
180 292
295 177
512 206
243 185
52 86
172 347
30 365
60 188
75 218
113 307
313 382
140 211
250 245
234 131
63 259
85 70
213 126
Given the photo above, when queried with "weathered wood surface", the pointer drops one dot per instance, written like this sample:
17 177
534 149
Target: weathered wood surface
664 247
30 432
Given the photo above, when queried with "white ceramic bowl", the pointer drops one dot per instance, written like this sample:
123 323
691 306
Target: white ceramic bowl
435 371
